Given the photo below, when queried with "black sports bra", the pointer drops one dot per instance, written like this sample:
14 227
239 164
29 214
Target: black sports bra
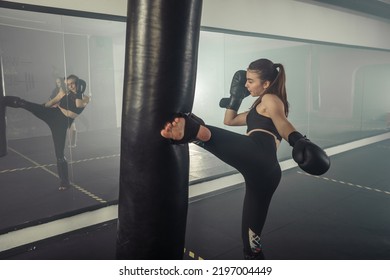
68 102
255 120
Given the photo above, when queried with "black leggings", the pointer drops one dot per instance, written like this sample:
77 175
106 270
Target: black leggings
255 158
58 124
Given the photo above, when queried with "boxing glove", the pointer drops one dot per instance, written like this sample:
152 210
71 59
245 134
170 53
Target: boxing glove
310 158
81 85
238 92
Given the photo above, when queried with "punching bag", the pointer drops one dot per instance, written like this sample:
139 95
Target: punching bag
160 72
3 136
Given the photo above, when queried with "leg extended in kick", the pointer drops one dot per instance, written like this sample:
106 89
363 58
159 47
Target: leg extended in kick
58 124
39 110
14 101
232 148
186 128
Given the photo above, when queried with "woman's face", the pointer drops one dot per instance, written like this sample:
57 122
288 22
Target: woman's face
254 84
58 82
71 84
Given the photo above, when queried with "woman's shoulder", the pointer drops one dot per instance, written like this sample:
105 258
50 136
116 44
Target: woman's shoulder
272 103
271 98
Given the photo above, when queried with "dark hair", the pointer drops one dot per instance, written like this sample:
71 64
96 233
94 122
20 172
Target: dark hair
268 71
73 77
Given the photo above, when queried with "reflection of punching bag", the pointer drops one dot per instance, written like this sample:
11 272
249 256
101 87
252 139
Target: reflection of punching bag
3 136
160 73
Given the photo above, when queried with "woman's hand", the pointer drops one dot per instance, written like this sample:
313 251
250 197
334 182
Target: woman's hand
61 93
81 103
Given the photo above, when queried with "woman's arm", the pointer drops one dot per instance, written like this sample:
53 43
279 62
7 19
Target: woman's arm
232 118
56 99
81 103
275 109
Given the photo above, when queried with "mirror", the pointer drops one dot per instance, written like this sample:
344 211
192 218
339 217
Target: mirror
328 88
36 50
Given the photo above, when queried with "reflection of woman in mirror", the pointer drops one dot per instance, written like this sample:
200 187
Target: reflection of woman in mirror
60 85
59 118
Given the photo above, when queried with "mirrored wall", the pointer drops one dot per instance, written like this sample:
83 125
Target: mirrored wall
337 94
38 49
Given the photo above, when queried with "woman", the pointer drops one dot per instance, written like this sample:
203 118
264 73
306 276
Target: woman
59 118
254 154
60 85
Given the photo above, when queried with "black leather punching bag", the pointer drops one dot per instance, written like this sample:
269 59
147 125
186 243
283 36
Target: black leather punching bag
3 136
160 73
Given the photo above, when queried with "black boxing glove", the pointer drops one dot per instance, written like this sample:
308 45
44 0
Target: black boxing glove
238 92
81 85
310 158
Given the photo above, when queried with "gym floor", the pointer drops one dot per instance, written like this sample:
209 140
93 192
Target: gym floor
341 215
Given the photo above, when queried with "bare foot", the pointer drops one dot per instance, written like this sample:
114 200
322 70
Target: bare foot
174 130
